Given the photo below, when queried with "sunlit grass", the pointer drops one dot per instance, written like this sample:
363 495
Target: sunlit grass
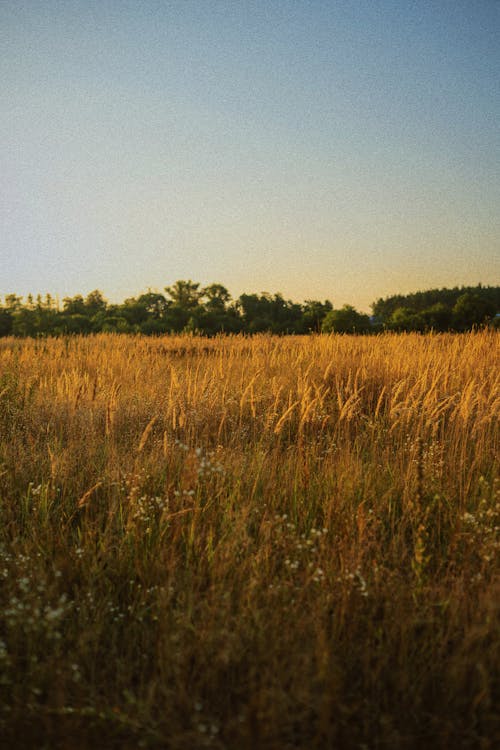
261 543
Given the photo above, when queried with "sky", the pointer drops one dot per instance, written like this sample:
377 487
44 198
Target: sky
319 148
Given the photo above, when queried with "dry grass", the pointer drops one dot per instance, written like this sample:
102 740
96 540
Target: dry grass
250 543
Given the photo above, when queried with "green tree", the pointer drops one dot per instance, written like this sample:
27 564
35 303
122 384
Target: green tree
437 317
76 323
346 320
13 302
217 298
47 316
406 319
24 322
269 313
115 324
184 294
75 305
423 300
6 322
216 314
472 310
314 313
184 306
155 304
95 303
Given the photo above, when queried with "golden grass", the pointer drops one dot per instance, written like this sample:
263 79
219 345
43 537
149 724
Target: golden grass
256 543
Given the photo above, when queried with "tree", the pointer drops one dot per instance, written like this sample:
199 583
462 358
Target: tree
76 323
46 315
346 320
270 313
115 324
314 313
95 303
437 317
215 314
75 305
405 319
183 306
154 303
217 298
210 310
150 306
472 310
13 302
6 322
24 322
184 294
422 301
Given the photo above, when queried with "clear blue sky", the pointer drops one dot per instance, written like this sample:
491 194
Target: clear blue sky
347 150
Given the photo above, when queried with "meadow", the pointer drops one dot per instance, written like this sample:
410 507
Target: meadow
250 542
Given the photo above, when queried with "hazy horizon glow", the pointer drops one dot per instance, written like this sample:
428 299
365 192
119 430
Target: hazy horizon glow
341 150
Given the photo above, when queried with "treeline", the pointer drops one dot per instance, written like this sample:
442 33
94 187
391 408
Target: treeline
457 309
186 307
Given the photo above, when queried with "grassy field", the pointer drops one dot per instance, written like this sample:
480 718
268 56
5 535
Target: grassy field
250 543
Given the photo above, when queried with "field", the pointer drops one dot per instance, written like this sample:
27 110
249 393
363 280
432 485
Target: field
250 542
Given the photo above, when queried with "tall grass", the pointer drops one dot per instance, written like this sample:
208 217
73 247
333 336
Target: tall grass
252 543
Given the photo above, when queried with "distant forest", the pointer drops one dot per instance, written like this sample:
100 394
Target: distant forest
186 307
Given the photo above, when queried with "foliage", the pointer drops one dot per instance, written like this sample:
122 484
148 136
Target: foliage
6 322
346 320
472 310
210 311
439 309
